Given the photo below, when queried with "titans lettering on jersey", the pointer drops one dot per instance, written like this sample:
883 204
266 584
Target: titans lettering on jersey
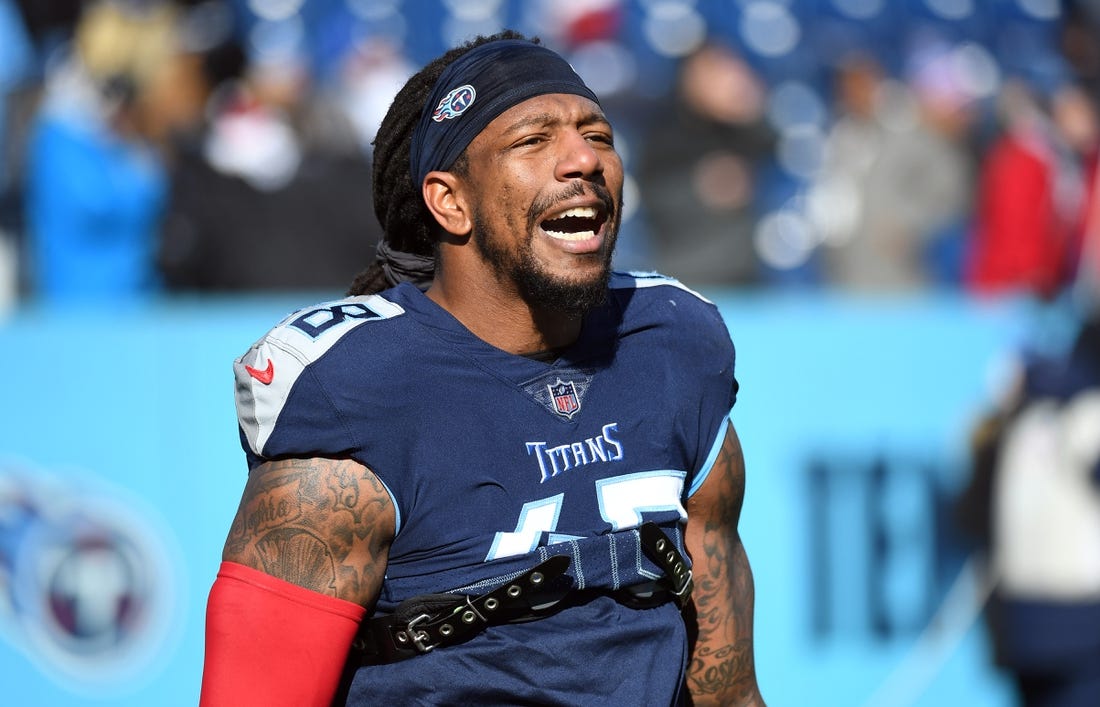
494 461
553 460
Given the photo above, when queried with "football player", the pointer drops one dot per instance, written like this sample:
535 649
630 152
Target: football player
497 473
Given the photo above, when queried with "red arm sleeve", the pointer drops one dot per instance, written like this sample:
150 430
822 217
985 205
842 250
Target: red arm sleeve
271 643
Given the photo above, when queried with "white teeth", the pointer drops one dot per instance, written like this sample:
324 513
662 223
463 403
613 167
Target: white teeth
579 212
584 212
579 236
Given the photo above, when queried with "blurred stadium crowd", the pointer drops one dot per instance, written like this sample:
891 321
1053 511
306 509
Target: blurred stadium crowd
152 146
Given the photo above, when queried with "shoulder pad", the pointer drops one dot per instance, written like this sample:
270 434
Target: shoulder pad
642 280
267 372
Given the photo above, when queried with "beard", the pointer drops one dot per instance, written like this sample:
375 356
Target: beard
536 286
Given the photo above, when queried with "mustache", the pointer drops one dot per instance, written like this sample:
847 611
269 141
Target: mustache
546 202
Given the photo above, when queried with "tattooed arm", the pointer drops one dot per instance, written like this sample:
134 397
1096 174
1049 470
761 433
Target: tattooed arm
303 563
323 524
722 670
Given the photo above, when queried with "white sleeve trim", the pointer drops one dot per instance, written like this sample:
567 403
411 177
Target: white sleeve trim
280 358
715 449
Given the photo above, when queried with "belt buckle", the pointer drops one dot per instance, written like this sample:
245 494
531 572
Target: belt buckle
419 638
683 592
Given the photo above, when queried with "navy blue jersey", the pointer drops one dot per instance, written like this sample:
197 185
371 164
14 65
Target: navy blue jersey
495 462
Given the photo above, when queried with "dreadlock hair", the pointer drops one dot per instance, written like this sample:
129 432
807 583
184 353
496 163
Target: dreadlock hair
407 224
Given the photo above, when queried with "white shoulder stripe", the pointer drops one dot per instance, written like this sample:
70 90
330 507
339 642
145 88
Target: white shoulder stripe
267 372
641 280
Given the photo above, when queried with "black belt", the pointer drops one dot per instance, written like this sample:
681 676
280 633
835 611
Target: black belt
425 622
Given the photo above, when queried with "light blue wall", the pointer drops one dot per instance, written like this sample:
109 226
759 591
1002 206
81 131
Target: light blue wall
851 384
123 421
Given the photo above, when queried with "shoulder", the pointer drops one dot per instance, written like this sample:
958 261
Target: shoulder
651 299
651 281
307 334
673 318
280 362
645 289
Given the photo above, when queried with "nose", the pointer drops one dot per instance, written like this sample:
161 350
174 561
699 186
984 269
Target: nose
579 158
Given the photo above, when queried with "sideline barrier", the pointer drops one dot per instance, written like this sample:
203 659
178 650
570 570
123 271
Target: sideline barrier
120 470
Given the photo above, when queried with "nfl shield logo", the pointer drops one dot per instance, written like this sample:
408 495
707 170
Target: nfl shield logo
563 397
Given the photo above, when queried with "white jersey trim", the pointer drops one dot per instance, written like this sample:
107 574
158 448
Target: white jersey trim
716 448
268 371
642 280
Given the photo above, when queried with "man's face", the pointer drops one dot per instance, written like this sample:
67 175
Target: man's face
546 192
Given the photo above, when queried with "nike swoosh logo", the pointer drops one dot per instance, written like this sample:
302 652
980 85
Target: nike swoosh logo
265 376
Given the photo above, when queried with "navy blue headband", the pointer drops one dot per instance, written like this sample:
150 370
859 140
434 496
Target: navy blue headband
476 88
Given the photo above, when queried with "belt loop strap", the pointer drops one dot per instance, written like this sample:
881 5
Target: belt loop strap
663 553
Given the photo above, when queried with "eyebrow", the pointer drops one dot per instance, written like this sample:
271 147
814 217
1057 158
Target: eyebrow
548 119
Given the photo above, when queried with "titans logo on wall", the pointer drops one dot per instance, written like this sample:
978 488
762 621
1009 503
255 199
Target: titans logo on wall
86 587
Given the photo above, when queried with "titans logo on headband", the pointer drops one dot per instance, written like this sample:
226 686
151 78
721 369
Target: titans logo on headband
455 103
506 73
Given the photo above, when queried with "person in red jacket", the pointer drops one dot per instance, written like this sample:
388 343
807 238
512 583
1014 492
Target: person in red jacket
1033 195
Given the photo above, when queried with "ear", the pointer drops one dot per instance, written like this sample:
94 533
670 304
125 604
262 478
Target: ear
443 196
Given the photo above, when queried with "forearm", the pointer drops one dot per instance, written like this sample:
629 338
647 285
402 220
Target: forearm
271 643
722 669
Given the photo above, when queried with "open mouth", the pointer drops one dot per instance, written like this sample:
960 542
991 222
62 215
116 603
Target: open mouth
576 224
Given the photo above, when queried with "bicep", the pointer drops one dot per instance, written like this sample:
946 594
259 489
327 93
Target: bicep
718 500
323 524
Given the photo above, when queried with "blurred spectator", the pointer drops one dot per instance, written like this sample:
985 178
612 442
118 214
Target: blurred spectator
698 170
896 174
875 198
1087 282
275 192
95 179
1087 275
371 75
1079 42
1033 193
1035 502
51 22
16 68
